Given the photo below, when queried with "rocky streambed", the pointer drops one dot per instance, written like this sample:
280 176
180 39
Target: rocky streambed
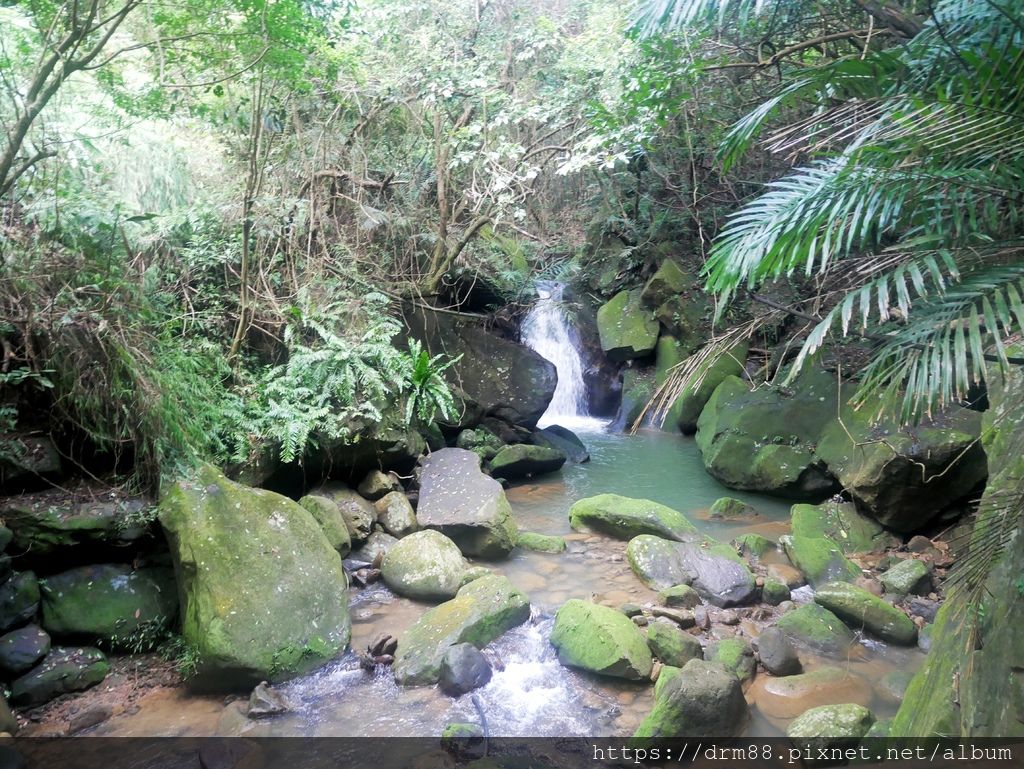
746 610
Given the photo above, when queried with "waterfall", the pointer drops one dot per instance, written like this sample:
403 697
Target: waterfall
546 330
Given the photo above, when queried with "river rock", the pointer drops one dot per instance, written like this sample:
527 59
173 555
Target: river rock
480 441
480 612
819 559
395 514
638 386
327 515
764 439
901 474
19 599
627 330
45 522
702 700
714 570
565 440
753 544
63 670
600 639
907 576
21 649
730 508
680 596
735 655
359 514
671 645
111 603
8 723
842 524
540 543
376 546
28 458
774 592
776 653
691 402
521 460
494 376
376 484
625 518
260 606
266 701
860 609
463 669
830 727
816 628
789 696
425 565
463 503
786 574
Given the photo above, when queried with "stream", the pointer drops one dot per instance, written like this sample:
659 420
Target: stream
531 693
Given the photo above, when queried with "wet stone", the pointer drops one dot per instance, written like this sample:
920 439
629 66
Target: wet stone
22 648
463 669
266 701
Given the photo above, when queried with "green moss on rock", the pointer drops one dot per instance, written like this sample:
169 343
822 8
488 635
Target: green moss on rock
626 329
862 610
625 517
673 646
327 515
819 559
816 628
601 640
540 543
841 523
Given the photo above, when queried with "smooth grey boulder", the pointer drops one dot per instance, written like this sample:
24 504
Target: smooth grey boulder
714 570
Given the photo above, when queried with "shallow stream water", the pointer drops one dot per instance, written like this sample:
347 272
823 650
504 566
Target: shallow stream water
531 694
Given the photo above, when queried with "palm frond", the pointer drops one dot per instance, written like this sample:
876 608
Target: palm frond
652 17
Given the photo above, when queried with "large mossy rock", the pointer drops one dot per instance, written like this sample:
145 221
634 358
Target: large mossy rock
671 645
862 610
262 593
479 613
713 569
600 640
108 602
494 376
565 440
764 439
425 565
907 576
668 281
627 329
464 504
830 727
819 559
691 402
521 460
626 517
638 386
816 628
735 655
906 476
358 514
396 515
44 523
62 671
702 700
841 523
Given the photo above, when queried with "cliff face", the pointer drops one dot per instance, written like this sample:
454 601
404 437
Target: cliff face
980 692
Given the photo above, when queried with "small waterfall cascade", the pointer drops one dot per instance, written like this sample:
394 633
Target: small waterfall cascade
547 331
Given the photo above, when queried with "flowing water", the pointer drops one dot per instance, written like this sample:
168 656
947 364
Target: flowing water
531 694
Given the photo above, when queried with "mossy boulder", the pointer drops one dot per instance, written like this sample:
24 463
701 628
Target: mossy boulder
907 576
764 439
626 328
710 374
108 602
327 515
905 476
668 353
671 645
730 508
601 640
395 514
540 543
262 593
638 386
19 599
862 610
46 522
625 518
711 568
830 727
774 592
735 655
424 565
480 441
479 613
21 649
679 596
63 670
522 460
359 514
819 559
466 505
565 440
702 700
816 628
841 523
753 544
669 280
377 483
